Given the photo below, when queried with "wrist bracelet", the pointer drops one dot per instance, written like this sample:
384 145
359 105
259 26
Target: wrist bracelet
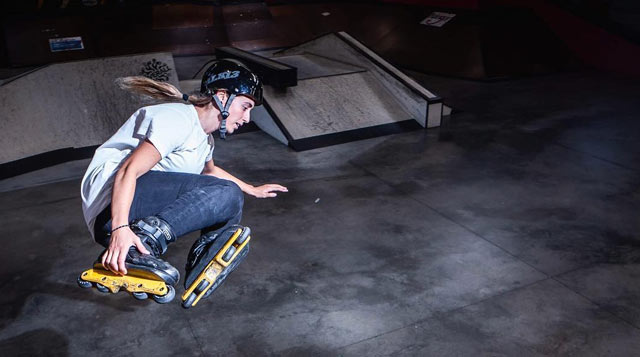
122 226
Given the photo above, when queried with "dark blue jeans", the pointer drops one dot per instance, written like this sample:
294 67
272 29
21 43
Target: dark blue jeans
187 202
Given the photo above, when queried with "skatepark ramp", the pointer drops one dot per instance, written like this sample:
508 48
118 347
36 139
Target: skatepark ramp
63 111
344 92
326 91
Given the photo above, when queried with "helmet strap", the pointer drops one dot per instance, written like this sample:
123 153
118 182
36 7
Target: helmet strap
224 112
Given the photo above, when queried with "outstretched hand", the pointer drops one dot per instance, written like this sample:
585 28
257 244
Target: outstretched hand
268 190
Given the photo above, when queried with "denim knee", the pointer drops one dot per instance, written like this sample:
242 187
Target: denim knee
226 195
234 195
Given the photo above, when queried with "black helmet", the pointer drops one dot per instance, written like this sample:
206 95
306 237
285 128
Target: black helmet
234 77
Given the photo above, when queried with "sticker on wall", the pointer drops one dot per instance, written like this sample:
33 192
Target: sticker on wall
156 70
66 44
437 19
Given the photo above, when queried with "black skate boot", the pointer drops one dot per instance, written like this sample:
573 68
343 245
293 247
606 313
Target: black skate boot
211 259
146 273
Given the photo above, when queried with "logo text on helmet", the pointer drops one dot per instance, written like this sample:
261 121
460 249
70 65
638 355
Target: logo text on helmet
223 75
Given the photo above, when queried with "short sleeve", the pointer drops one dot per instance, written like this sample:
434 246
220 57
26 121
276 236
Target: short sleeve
167 131
212 144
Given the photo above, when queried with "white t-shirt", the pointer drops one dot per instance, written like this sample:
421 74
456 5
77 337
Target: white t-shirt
173 128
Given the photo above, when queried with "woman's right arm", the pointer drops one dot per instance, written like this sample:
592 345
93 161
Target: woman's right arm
144 157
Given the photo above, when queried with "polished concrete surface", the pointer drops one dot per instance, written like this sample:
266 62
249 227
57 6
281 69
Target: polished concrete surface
513 230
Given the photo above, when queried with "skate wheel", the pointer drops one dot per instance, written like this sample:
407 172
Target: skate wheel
139 295
83 283
101 288
210 291
187 303
229 253
163 299
202 286
242 238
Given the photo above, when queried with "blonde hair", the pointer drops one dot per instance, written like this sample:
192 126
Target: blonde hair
160 90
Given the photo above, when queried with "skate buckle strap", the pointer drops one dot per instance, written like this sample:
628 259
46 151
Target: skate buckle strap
160 235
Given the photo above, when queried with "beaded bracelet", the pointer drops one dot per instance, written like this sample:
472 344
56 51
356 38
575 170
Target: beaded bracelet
122 226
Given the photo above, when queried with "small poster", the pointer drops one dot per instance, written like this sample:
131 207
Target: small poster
66 44
438 19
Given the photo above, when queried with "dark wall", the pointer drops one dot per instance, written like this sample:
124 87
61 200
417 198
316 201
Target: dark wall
3 48
625 14
196 27
116 28
619 16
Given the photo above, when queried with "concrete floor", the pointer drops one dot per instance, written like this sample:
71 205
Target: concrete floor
517 236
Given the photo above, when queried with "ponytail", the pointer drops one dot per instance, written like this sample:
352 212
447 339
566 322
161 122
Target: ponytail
160 90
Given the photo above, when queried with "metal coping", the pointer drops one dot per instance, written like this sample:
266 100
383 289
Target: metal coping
392 70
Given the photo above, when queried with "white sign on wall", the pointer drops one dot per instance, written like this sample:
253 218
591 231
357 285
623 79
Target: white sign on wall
437 19
66 44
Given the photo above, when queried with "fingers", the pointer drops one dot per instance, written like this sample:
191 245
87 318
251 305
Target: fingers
121 267
141 248
113 262
114 258
108 259
267 193
104 259
268 190
276 187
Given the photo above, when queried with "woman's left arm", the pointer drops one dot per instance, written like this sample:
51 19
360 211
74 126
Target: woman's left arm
263 191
